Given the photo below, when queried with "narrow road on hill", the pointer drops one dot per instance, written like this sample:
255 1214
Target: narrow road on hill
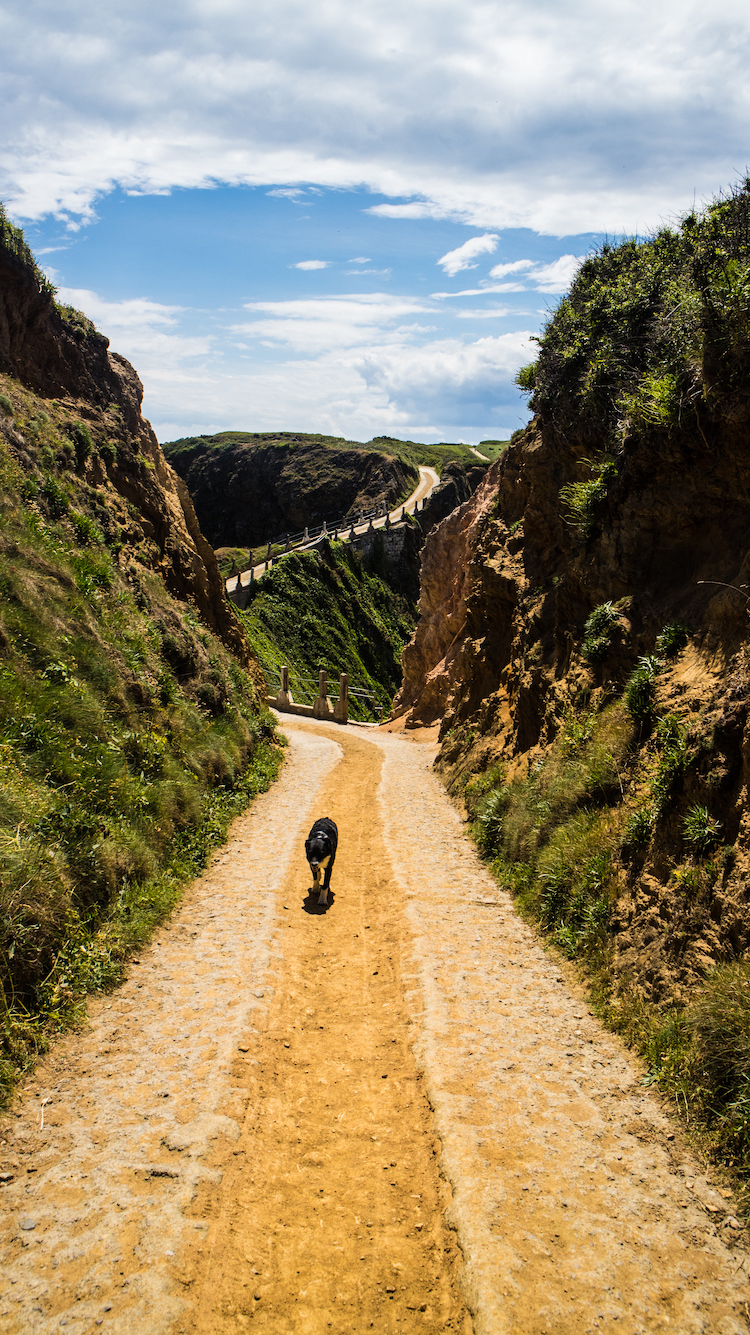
428 480
392 1116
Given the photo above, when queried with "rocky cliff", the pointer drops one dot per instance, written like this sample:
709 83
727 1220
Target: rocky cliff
591 600
56 353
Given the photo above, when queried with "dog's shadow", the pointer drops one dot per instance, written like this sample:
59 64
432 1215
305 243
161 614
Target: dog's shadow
311 905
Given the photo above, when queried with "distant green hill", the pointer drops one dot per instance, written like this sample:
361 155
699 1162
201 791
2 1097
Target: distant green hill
409 451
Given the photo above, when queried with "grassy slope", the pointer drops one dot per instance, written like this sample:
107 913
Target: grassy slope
331 610
411 452
653 338
129 736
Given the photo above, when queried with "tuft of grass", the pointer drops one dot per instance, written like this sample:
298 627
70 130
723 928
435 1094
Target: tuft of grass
672 640
598 632
640 691
586 502
700 829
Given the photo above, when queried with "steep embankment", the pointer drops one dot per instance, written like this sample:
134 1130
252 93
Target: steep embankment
583 641
130 725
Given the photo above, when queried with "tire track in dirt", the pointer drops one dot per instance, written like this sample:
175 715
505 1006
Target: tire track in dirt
331 1216
577 1206
131 1107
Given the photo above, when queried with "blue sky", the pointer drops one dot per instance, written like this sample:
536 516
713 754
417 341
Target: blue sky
344 218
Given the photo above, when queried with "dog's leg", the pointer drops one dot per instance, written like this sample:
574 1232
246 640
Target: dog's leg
322 883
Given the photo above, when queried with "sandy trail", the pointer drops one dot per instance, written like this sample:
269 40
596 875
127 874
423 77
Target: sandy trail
384 1117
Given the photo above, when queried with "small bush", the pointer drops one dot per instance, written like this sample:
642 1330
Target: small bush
586 501
672 640
640 827
700 829
598 633
526 378
108 452
82 441
491 821
720 1018
87 532
55 497
640 692
6 405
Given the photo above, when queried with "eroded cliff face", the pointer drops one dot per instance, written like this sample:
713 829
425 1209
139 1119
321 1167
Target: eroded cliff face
69 365
508 582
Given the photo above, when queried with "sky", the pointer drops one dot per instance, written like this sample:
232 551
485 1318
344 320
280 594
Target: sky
353 218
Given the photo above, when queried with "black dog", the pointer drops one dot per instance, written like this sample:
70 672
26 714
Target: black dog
320 847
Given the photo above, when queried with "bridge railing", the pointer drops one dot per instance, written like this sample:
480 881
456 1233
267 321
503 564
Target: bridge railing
312 699
342 530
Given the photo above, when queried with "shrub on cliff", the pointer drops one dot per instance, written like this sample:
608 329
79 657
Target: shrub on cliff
651 331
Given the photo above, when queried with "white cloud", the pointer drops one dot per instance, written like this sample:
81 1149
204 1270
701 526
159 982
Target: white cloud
325 323
560 117
491 313
312 264
554 277
517 266
462 258
447 379
360 259
531 276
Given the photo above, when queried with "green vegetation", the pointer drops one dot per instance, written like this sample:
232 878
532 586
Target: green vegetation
585 502
409 451
330 609
652 332
640 692
672 640
129 736
13 242
492 449
598 633
564 841
700 829
553 835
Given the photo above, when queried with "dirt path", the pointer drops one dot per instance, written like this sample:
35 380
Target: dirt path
378 1118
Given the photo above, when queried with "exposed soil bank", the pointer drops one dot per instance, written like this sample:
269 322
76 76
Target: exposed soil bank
244 1136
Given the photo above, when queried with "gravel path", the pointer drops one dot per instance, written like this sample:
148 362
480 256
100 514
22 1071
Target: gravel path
393 1116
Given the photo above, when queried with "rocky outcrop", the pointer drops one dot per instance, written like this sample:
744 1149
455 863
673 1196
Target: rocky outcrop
432 662
58 354
253 490
508 582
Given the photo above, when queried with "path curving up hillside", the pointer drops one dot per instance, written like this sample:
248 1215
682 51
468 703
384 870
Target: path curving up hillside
395 1116
428 481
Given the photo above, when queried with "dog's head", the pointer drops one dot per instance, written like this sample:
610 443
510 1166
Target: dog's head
317 849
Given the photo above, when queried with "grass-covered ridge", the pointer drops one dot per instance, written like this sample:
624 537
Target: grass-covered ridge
653 331
410 452
129 735
332 609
